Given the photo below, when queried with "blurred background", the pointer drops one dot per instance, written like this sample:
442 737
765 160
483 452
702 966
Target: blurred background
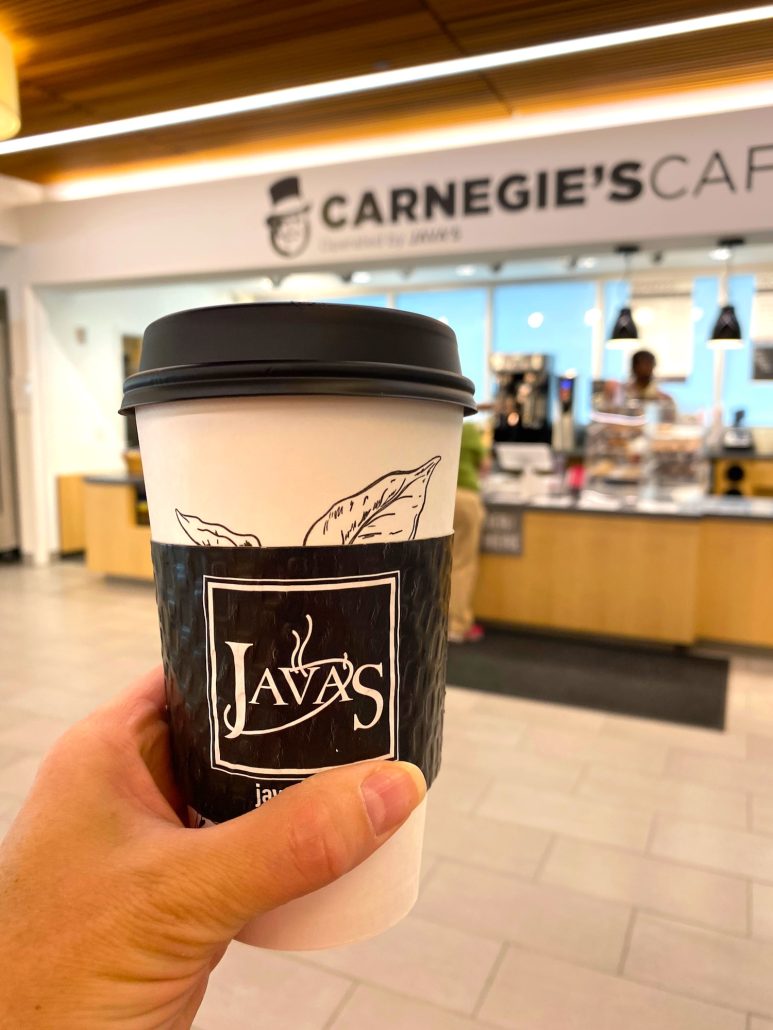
584 193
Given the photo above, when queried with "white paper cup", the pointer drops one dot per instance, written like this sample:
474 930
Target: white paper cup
289 648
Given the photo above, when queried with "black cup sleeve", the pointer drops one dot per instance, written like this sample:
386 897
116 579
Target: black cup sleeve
282 662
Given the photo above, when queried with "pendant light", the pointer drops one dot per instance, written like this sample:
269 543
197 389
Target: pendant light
624 329
10 123
726 334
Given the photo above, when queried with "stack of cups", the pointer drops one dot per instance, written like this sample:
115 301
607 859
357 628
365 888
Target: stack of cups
300 463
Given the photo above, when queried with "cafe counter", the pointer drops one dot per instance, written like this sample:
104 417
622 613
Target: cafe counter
662 572
671 573
117 533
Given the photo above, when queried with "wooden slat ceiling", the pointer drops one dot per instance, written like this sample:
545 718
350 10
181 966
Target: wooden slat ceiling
85 61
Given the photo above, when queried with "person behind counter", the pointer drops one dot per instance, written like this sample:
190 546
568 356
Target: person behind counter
644 387
468 520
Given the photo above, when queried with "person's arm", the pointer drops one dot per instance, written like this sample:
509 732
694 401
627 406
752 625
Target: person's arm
473 442
114 913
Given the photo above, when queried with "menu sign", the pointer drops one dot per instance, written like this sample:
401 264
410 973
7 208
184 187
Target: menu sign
502 530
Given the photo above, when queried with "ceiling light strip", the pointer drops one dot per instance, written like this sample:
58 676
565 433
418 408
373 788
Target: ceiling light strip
384 80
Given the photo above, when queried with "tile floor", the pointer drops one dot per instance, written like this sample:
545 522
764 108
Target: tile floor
584 872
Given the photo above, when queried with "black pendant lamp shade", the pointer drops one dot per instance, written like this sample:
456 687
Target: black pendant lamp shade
726 327
625 327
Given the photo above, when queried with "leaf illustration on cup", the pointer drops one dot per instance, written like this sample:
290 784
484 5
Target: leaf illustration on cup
386 511
213 534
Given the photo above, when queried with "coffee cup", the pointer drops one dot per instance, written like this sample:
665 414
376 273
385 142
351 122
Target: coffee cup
300 464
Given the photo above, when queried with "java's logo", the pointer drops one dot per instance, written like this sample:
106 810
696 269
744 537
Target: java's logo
288 224
304 688
302 673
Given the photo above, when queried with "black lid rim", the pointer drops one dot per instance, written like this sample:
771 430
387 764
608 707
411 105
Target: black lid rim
297 347
301 378
313 308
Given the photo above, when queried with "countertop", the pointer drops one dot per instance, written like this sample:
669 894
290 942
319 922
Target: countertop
730 454
710 507
115 479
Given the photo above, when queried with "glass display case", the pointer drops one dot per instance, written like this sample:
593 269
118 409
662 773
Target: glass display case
616 449
678 466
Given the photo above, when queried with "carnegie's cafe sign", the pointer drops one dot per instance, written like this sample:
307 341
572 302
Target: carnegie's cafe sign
703 176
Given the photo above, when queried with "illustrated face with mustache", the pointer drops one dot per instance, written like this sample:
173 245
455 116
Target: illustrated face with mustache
290 233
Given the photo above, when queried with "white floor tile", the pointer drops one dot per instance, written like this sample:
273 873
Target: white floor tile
533 992
566 814
425 960
35 734
8 805
550 919
504 759
664 794
10 717
762 813
458 789
720 968
762 911
676 890
716 771
625 753
460 699
253 989
690 738
491 843
759 748
10 755
542 713
371 1008
55 703
714 847
515 773
16 778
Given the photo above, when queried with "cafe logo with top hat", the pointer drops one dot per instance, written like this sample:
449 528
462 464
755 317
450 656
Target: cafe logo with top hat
289 225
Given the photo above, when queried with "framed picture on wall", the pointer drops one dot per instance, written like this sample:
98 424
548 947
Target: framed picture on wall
665 324
763 360
130 349
762 335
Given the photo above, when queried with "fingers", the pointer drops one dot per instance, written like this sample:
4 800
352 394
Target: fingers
139 713
300 841
134 725
144 695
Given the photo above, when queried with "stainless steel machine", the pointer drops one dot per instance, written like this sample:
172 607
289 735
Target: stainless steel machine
522 398
564 437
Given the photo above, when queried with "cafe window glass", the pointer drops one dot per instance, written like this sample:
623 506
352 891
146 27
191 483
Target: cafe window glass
465 312
371 300
550 318
746 387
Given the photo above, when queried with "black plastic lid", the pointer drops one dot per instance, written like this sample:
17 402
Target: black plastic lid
240 350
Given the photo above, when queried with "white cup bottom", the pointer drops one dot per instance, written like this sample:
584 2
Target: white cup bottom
366 901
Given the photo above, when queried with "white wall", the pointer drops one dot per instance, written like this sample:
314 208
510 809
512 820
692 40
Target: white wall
80 383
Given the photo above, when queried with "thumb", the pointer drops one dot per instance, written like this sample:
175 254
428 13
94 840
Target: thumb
301 840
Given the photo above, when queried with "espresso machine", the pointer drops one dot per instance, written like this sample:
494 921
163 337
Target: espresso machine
522 398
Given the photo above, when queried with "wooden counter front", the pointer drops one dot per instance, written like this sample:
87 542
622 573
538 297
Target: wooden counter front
735 582
611 575
115 544
673 580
